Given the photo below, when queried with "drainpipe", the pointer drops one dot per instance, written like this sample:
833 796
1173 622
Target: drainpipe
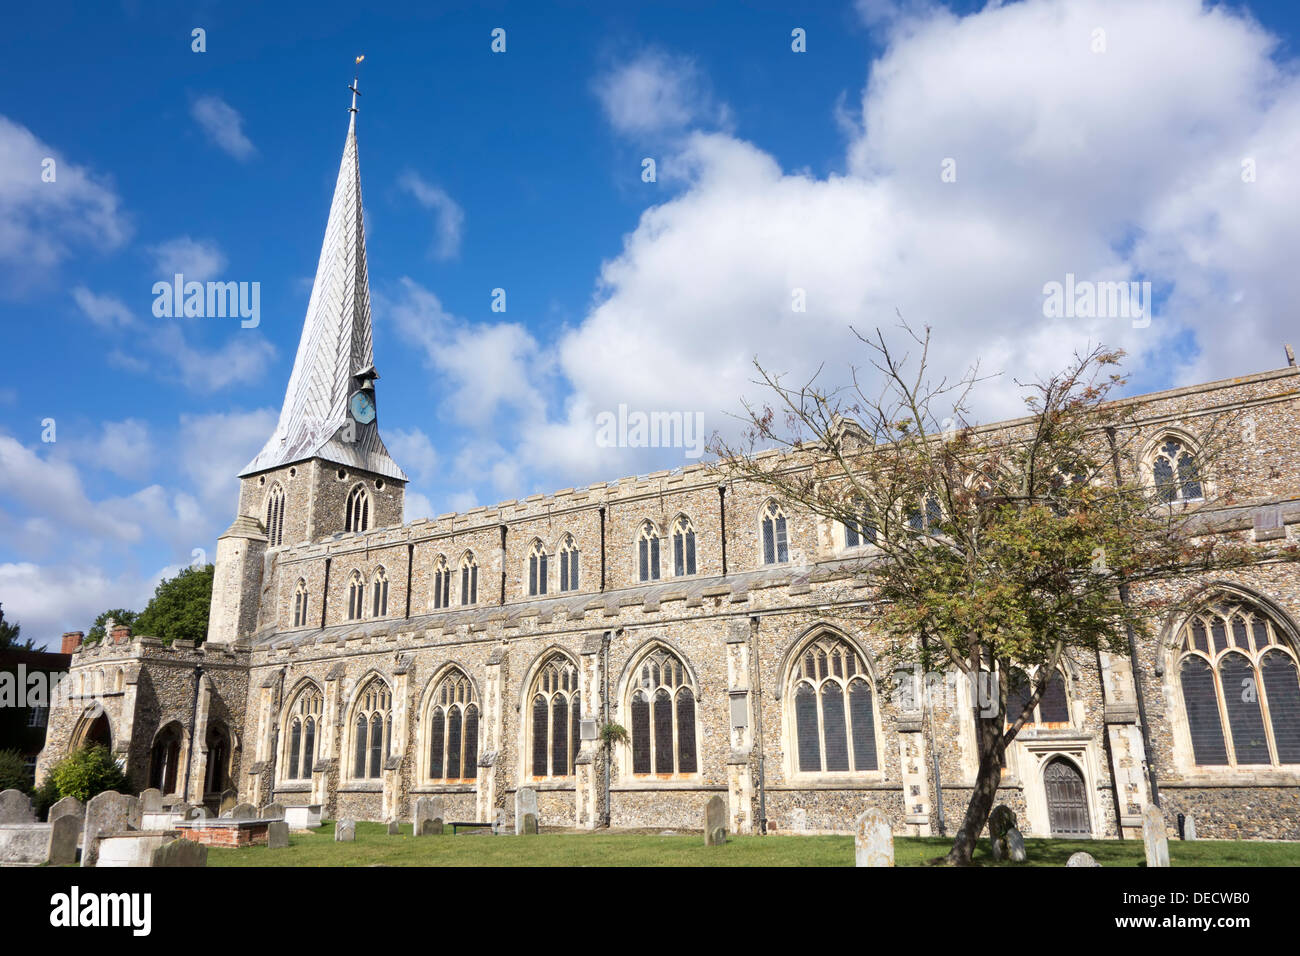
602 547
722 516
756 680
325 593
1132 648
410 560
503 564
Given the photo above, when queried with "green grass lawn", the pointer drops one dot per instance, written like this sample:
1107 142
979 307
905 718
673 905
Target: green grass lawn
374 847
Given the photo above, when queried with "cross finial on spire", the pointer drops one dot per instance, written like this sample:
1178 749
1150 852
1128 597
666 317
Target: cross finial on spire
353 87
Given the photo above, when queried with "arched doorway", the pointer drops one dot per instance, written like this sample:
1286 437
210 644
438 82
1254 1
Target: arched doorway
164 761
1067 799
93 730
217 776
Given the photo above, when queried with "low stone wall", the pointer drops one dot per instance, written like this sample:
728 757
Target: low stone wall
1235 813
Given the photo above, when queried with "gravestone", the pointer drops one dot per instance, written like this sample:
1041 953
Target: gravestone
202 813
1189 828
498 820
1001 820
873 840
107 812
525 803
715 822
1081 859
431 827
64 833
187 812
243 811
151 801
229 799
69 807
1015 846
16 807
277 835
799 820
272 811
345 831
426 810
394 828
528 826
1154 838
180 853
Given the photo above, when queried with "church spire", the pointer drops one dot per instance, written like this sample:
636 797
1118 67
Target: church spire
329 408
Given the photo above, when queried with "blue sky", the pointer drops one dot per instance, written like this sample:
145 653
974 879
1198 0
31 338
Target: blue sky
777 170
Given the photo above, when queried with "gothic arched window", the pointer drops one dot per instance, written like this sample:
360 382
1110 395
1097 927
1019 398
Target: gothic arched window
683 546
555 710
1241 689
863 530
358 510
379 593
833 714
537 570
371 729
356 596
1053 707
441 584
275 516
647 548
300 603
1174 472
468 579
776 539
453 730
662 708
568 564
304 723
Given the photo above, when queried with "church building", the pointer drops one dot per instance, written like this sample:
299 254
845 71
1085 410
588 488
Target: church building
356 662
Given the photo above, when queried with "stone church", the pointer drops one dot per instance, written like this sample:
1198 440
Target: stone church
357 662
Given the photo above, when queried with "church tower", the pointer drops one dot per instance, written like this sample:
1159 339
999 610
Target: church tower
325 469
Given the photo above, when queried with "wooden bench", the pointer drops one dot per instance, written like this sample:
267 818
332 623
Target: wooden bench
472 824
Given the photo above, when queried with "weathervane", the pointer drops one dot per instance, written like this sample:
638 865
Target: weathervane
353 87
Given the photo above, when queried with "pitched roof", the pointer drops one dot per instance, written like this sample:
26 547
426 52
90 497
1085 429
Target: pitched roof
335 348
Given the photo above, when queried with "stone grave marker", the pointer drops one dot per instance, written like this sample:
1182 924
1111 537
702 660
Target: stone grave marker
428 809
229 799
873 839
1002 819
715 822
243 811
1154 838
431 827
16 807
107 812
1081 859
1015 846
345 831
1189 828
525 803
180 853
69 807
277 835
529 824
394 828
272 811
64 833
151 801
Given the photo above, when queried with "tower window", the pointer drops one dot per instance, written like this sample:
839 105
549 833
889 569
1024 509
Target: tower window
568 564
648 553
537 570
776 541
275 516
358 510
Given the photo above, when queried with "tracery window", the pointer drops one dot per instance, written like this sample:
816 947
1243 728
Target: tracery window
441 584
358 509
453 730
1241 693
537 570
861 531
1174 472
683 546
555 713
304 722
927 517
372 727
776 541
647 547
662 708
275 516
834 717
356 596
379 593
300 603
1053 707
568 564
468 579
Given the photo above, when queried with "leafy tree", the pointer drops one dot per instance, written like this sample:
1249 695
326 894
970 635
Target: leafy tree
996 550
9 635
88 771
121 615
13 772
179 607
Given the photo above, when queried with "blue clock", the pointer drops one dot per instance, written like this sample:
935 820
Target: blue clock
362 406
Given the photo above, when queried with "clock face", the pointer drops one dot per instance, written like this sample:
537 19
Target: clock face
362 406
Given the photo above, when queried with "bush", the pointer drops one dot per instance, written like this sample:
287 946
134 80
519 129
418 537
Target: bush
44 797
13 772
86 772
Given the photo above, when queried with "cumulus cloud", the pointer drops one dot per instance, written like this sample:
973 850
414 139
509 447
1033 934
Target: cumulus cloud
197 259
448 215
223 125
106 311
655 92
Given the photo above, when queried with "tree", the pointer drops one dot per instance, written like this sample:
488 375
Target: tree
9 635
88 771
996 550
13 772
118 615
179 606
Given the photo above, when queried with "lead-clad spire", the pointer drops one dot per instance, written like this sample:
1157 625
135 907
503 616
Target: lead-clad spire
335 355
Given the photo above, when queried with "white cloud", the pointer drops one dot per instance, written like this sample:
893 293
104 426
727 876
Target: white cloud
417 506
197 259
213 448
656 92
450 218
50 599
413 451
41 223
106 311
223 125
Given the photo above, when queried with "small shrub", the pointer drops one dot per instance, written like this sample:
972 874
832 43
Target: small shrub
86 772
44 797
